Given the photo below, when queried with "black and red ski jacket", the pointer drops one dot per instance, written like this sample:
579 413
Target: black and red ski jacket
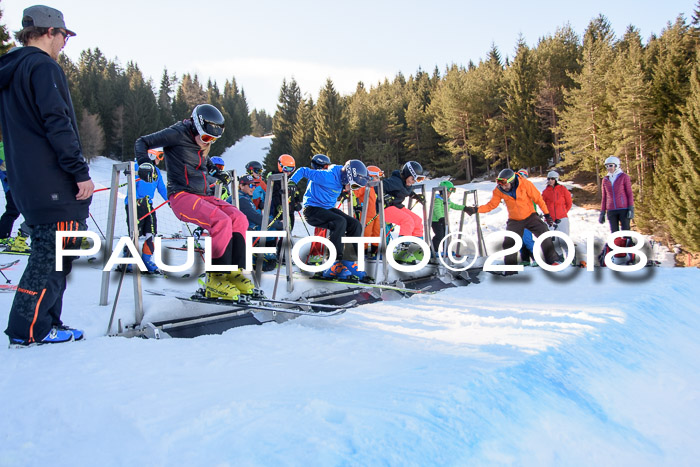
185 161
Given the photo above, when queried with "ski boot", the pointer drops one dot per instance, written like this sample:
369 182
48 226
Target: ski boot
338 272
242 283
55 336
19 244
351 266
315 260
77 333
151 267
6 243
217 285
404 256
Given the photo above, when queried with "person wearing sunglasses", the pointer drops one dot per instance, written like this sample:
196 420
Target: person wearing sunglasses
396 190
322 191
520 196
48 175
617 198
558 200
186 146
246 188
255 170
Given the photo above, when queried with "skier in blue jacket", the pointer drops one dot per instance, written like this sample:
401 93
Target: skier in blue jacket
319 209
148 226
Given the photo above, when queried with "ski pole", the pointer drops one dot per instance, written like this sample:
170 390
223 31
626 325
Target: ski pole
153 210
98 226
119 186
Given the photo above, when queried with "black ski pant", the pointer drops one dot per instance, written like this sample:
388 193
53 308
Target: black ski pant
147 225
535 225
439 231
9 216
618 220
338 225
39 298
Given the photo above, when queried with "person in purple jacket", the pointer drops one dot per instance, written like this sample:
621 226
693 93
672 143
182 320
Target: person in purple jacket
617 199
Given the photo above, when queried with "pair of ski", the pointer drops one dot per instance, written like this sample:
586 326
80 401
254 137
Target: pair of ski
8 287
356 283
259 303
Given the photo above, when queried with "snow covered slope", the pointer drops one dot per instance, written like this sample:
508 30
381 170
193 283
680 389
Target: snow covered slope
574 368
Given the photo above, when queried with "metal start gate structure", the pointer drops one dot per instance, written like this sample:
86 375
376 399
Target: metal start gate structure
128 169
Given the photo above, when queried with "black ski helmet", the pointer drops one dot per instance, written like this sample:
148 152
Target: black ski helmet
506 176
254 167
412 169
354 172
208 120
320 161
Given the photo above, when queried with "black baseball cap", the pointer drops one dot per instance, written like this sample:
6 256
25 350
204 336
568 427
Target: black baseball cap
42 16
247 180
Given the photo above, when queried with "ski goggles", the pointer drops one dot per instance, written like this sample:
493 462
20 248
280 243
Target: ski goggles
419 178
255 171
209 139
609 166
155 155
287 169
503 181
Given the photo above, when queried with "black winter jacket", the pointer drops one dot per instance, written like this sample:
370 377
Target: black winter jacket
185 161
396 187
42 147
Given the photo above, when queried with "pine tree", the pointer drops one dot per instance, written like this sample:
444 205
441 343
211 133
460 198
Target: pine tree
453 118
677 178
557 60
5 41
165 101
585 120
283 123
331 135
140 110
303 133
526 146
189 95
631 118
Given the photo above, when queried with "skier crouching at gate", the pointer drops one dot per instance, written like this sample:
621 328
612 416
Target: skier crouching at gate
186 147
396 189
320 211
519 194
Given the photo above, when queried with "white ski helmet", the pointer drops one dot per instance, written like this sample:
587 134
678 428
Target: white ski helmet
553 174
612 160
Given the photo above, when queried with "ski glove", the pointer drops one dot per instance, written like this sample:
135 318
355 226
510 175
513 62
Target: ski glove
223 176
471 210
601 218
291 188
388 200
147 172
418 197
548 219
630 213
343 196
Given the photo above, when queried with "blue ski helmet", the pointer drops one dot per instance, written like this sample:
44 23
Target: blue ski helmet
216 160
320 161
354 172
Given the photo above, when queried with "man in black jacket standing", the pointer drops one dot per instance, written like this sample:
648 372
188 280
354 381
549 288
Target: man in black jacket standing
48 175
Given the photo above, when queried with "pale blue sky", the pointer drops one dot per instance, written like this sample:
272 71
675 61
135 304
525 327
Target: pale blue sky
261 42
